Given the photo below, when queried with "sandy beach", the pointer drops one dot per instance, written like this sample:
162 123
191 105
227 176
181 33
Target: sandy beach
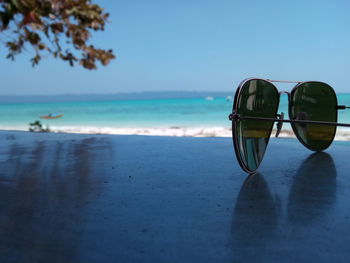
111 198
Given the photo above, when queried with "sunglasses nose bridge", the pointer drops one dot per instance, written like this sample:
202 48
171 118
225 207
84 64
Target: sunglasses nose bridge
284 92
281 115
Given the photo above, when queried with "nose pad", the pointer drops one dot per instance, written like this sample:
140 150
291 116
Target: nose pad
279 124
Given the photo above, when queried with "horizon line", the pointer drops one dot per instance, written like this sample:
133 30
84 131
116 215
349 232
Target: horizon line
113 93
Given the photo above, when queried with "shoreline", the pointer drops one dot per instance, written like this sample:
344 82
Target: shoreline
341 135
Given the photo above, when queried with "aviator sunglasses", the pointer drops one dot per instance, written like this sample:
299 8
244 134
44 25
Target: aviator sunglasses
313 114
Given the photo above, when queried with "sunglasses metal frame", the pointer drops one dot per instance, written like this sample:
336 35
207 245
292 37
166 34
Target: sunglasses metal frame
234 117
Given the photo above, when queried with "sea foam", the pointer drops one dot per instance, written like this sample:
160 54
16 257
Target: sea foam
342 134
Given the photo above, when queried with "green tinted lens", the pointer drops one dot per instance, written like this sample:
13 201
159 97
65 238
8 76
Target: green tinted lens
314 101
256 98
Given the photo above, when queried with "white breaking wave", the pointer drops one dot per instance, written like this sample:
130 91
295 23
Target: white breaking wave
342 134
170 131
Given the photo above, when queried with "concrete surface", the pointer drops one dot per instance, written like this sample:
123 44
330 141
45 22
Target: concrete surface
83 198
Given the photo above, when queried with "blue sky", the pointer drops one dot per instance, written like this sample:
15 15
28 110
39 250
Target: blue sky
201 46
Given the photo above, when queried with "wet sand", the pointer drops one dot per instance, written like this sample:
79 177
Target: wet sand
108 198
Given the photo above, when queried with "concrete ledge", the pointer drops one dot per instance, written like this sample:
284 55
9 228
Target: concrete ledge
104 198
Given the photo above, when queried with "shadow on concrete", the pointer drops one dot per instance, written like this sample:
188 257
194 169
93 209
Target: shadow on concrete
313 192
258 226
255 219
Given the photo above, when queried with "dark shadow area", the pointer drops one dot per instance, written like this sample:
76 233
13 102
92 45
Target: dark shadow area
313 192
255 219
258 228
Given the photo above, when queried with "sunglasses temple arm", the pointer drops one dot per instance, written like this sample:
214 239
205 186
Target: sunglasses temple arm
238 117
343 107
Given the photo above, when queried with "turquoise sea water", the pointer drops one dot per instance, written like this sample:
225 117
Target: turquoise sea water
162 113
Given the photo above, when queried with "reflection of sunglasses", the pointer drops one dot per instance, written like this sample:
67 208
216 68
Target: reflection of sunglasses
313 113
